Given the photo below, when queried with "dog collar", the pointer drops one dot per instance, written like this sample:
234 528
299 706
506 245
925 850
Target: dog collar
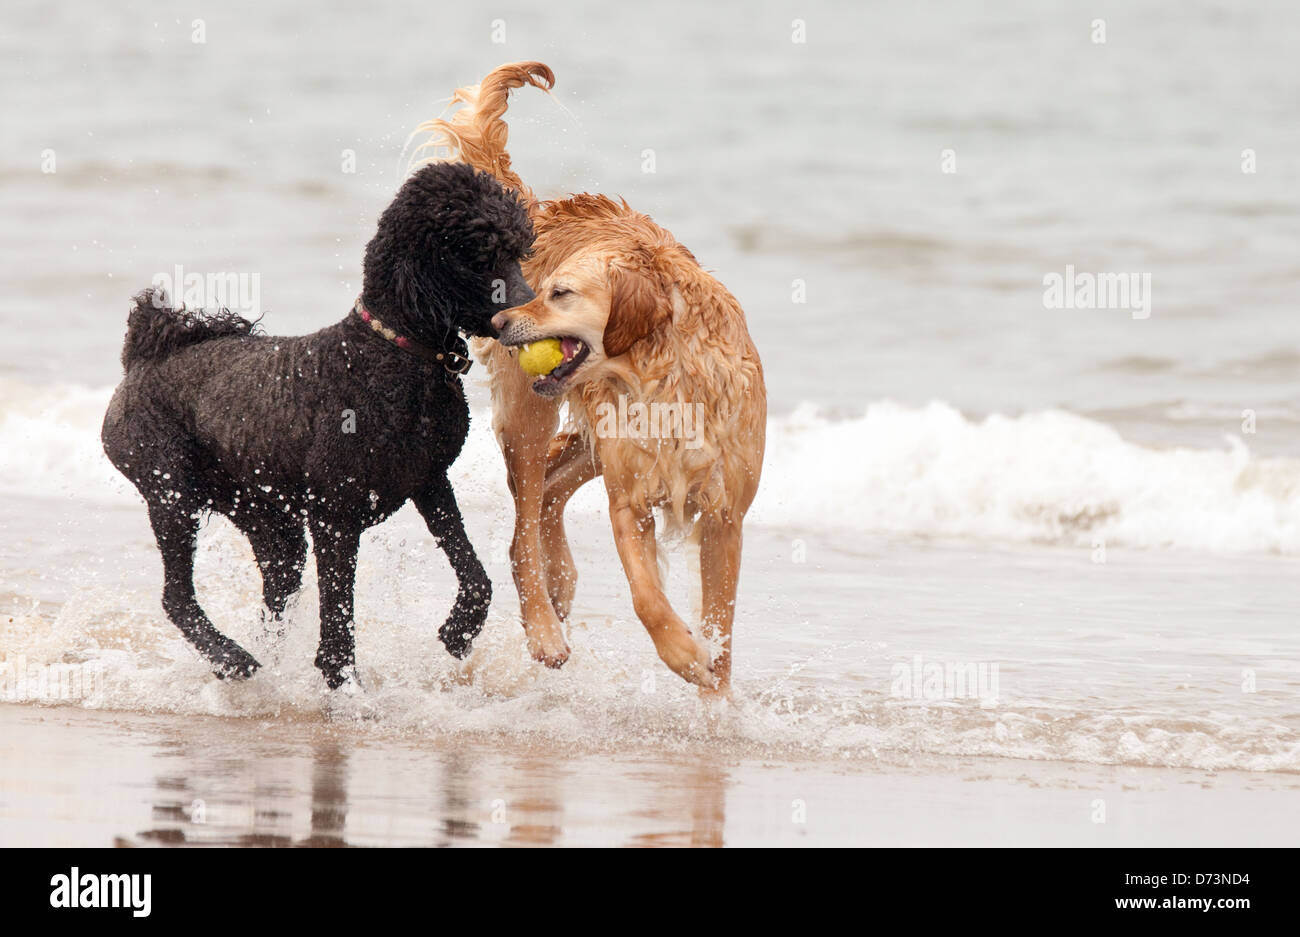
453 362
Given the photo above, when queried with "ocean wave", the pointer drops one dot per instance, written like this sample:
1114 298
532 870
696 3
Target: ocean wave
1047 476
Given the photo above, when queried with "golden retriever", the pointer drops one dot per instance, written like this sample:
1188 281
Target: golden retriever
665 393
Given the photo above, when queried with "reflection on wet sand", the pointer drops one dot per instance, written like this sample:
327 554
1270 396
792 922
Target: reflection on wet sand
184 813
335 791
70 777
329 796
534 813
702 797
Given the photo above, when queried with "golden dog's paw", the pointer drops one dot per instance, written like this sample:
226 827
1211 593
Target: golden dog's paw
689 659
717 697
718 706
548 647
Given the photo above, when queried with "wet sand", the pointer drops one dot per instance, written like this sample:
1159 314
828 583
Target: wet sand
71 777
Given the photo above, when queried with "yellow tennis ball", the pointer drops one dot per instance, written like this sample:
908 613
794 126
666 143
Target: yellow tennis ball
542 357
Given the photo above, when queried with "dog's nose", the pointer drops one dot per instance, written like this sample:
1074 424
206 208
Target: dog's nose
500 321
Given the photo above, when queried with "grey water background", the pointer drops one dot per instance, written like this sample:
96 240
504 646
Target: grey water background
775 161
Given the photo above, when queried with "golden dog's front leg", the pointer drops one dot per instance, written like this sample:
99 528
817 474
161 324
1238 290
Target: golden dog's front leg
524 424
634 534
720 546
571 465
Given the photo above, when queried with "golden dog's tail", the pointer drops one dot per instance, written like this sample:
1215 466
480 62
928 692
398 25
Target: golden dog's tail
476 134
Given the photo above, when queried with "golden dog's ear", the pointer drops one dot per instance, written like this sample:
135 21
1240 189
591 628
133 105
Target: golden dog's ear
637 306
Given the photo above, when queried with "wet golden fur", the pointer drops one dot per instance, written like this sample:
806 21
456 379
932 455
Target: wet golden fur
660 330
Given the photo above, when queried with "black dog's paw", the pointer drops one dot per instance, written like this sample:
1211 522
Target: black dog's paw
272 627
463 624
346 682
458 635
337 667
232 662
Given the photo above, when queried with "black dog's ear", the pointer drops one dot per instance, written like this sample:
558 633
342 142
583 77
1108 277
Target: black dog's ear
411 288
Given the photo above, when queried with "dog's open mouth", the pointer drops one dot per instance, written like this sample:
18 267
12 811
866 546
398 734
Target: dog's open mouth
575 352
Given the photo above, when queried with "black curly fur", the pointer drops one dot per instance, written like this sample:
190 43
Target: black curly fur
214 417
154 329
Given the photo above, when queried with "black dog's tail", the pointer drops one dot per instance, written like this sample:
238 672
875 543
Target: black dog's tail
155 330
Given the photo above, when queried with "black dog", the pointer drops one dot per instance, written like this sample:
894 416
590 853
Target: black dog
332 431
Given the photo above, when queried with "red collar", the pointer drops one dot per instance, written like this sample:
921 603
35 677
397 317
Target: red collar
454 362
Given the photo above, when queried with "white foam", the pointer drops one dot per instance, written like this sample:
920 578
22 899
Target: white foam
612 696
1046 476
49 443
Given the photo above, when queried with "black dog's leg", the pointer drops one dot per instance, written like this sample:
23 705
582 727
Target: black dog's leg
438 506
176 530
336 547
280 545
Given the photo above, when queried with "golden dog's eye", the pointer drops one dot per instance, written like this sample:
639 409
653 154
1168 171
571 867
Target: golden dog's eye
560 291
